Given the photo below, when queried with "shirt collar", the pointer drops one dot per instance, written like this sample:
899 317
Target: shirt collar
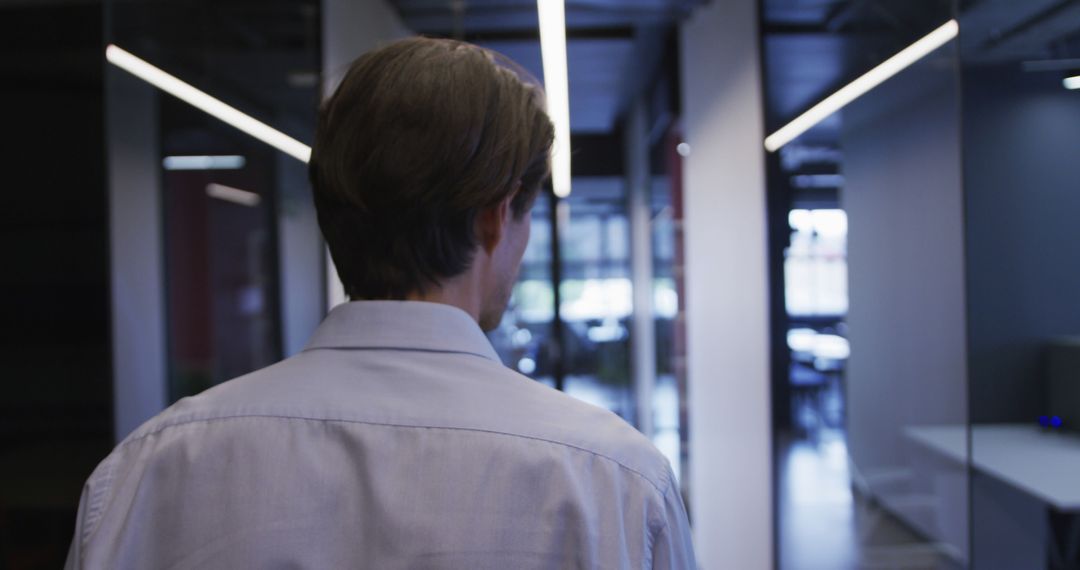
403 325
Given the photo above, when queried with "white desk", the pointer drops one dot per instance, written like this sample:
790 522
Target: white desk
1043 464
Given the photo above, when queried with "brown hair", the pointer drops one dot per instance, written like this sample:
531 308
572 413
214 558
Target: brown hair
420 136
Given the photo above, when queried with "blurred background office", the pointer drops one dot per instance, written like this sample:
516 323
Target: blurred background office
823 253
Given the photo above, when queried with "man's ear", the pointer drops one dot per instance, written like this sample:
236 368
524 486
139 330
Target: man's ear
491 223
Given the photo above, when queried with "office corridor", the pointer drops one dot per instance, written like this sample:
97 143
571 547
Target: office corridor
824 525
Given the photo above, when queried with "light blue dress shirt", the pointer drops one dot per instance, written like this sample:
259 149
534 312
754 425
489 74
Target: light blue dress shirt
395 440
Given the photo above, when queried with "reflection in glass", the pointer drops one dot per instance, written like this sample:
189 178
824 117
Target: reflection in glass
219 262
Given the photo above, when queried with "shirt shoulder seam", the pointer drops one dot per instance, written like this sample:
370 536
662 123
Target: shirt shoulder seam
315 348
159 429
663 525
97 490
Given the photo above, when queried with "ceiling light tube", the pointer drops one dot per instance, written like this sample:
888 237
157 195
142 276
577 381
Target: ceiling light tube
234 195
1072 82
860 86
218 162
204 102
553 50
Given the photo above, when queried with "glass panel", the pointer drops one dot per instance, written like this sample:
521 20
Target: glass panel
523 338
226 194
669 393
868 243
1021 127
219 263
597 297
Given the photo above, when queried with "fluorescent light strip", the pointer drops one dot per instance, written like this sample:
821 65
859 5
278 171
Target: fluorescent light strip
553 49
234 195
1072 82
860 86
200 100
219 162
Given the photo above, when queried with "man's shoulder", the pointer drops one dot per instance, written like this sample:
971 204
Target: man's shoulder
450 393
561 419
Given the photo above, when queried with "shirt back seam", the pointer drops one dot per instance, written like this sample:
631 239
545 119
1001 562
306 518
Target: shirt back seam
160 429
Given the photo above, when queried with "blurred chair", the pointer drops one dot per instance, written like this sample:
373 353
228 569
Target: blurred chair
807 388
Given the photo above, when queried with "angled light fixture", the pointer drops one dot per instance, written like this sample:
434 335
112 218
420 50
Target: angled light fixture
204 102
1072 83
553 49
234 195
860 86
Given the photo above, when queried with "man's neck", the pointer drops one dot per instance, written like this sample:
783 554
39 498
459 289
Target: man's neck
457 293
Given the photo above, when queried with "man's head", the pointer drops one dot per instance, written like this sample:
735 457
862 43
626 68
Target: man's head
427 160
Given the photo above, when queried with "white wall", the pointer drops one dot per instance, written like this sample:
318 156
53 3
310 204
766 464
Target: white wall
349 29
726 289
136 246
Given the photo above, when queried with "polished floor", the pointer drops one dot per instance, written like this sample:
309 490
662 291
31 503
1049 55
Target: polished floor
824 525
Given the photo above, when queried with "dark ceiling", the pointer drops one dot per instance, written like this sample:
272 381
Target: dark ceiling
613 46
812 47
469 17
263 55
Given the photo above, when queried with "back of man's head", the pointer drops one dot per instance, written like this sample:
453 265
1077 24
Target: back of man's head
420 137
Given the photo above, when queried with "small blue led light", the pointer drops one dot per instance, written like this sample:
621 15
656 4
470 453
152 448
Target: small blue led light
1044 421
1055 421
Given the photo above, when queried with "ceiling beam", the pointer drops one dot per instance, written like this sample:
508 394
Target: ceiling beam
533 35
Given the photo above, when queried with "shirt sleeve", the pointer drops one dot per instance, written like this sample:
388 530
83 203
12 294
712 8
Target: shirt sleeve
91 504
673 548
74 556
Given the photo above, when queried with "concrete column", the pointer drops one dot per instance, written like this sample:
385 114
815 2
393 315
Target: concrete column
349 29
643 327
140 380
300 262
727 288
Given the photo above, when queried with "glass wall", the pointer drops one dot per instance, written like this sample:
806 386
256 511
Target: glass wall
225 197
592 362
957 181
669 311
597 295
1021 132
524 338
220 256
868 257
572 316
